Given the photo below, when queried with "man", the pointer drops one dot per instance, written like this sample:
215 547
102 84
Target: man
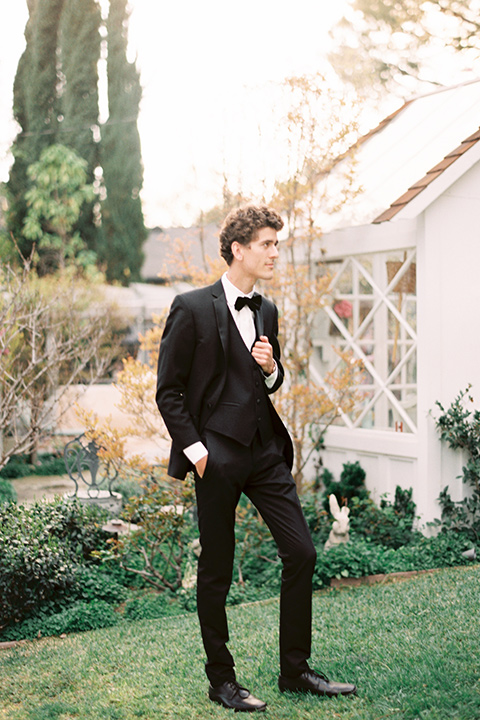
219 360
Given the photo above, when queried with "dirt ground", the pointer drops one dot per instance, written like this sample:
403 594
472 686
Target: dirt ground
37 487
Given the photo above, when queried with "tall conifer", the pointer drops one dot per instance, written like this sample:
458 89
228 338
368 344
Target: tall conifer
123 229
56 100
79 54
35 103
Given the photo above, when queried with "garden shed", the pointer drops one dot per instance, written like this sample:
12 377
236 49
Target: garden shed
405 260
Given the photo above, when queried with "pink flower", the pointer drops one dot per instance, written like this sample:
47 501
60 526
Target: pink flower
343 309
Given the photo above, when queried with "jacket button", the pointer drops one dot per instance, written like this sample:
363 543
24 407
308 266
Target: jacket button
258 400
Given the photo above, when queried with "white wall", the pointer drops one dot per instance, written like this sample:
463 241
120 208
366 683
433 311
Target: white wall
447 236
448 325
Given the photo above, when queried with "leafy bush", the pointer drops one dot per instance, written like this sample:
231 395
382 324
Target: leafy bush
360 557
351 484
459 427
8 494
158 551
390 525
94 583
35 568
41 548
78 617
16 467
48 464
128 488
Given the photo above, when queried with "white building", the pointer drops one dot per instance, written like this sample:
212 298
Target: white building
405 255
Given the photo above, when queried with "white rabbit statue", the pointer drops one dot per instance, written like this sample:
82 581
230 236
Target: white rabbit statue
339 532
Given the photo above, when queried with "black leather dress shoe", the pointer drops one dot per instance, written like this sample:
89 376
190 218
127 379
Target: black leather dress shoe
233 696
316 683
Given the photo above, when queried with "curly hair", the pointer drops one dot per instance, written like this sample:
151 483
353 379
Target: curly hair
243 223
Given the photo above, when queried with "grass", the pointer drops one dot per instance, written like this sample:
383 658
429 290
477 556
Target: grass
412 647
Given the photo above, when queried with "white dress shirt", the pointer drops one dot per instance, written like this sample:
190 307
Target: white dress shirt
244 320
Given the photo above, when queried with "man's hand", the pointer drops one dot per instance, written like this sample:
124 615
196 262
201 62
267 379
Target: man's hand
262 352
201 464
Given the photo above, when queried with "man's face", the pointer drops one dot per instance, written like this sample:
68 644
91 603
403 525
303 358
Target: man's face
258 258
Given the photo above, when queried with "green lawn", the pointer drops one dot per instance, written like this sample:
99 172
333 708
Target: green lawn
412 647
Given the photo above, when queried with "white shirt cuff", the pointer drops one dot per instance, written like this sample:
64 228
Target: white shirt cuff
271 379
195 452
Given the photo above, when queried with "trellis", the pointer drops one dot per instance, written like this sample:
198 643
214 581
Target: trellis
389 377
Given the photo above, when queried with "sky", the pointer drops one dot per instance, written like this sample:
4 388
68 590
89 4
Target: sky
210 73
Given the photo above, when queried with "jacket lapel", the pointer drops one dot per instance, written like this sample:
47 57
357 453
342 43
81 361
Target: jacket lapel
259 323
221 312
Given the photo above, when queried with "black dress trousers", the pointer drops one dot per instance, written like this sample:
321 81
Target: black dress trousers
259 471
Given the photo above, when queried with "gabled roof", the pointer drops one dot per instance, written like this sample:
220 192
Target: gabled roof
431 175
408 150
165 249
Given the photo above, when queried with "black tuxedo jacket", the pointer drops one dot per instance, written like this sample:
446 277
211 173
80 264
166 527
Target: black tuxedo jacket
193 366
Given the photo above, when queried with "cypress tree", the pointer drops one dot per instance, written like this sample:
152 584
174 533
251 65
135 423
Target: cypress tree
80 53
42 96
123 229
35 105
17 182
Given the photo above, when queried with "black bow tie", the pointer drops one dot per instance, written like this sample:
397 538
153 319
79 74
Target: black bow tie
253 302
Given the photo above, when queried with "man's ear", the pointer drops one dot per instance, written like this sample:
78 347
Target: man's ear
237 250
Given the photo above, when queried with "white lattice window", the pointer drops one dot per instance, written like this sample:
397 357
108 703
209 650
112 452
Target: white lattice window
373 315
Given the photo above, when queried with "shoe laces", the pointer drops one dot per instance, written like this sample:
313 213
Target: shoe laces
236 686
320 675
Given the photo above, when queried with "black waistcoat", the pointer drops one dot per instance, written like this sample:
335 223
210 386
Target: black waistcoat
243 407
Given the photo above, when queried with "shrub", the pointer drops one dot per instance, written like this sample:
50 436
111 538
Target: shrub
35 568
94 583
41 548
15 467
48 464
8 494
78 617
158 551
360 557
459 427
351 484
390 524
76 524
128 488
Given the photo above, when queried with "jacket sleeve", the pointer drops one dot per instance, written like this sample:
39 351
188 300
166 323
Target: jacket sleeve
276 355
174 366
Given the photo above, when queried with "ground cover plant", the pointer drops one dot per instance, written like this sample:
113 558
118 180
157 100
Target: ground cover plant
412 647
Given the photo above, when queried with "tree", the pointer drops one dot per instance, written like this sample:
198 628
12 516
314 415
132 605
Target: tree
56 99
57 335
80 53
123 229
35 105
397 43
54 203
319 129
